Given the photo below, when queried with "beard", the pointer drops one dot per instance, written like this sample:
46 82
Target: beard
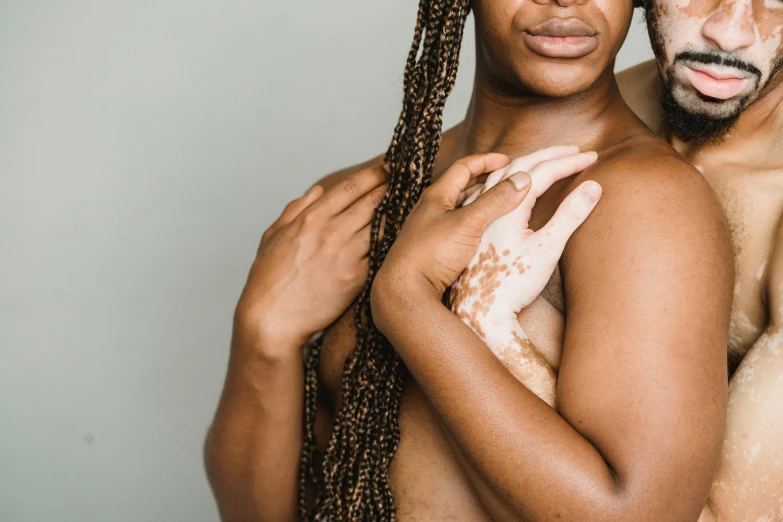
693 127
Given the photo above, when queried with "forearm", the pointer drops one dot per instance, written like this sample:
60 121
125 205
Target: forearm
539 465
253 448
506 338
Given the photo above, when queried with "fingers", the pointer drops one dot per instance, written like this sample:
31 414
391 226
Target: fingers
478 180
529 162
469 195
571 213
497 201
447 188
359 245
296 207
350 190
546 173
362 212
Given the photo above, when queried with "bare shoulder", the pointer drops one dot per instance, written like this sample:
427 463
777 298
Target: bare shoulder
334 178
641 89
446 156
636 76
647 167
657 205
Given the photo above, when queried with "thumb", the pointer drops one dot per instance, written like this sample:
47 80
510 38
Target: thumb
498 201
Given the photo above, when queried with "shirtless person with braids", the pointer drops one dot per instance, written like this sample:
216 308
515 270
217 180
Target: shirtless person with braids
403 413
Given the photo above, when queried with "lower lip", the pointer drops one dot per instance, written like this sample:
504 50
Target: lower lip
714 87
562 47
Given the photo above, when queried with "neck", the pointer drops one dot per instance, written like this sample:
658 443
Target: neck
501 120
756 139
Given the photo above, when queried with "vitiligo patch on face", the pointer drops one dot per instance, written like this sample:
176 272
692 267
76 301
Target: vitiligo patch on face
762 17
689 35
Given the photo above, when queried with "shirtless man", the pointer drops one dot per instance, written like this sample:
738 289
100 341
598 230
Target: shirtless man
640 411
716 95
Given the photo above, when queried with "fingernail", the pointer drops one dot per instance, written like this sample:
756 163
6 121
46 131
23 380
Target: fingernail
591 192
592 153
386 167
312 189
521 180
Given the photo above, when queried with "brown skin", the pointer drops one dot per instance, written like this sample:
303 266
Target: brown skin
746 172
653 276
253 446
291 278
745 169
602 455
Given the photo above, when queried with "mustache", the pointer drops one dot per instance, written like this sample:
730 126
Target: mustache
716 58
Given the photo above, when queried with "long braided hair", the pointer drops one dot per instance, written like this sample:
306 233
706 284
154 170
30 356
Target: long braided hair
353 479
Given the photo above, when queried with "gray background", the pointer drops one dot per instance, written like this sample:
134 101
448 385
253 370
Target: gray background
144 147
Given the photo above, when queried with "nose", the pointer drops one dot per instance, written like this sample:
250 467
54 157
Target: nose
730 27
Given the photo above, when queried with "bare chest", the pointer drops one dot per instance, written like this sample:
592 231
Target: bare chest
752 212
428 481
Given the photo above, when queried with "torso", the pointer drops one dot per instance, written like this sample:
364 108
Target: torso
752 199
428 480
752 202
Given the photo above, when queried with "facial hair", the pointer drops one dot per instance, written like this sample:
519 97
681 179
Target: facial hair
691 127
688 126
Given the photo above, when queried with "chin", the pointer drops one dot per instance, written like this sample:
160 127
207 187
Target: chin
695 103
556 80
690 121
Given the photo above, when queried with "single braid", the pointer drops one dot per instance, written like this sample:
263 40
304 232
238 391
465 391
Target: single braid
353 483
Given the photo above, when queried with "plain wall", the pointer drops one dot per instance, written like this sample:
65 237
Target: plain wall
144 147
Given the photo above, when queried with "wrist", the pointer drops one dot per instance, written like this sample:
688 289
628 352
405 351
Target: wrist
263 344
254 367
495 328
393 299
256 329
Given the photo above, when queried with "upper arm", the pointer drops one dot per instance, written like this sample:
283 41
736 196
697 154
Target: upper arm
648 285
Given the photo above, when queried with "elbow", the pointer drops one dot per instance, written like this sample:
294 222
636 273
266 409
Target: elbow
666 499
642 497
218 478
210 457
235 484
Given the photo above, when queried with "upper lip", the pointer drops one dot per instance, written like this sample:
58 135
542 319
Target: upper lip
719 72
562 27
